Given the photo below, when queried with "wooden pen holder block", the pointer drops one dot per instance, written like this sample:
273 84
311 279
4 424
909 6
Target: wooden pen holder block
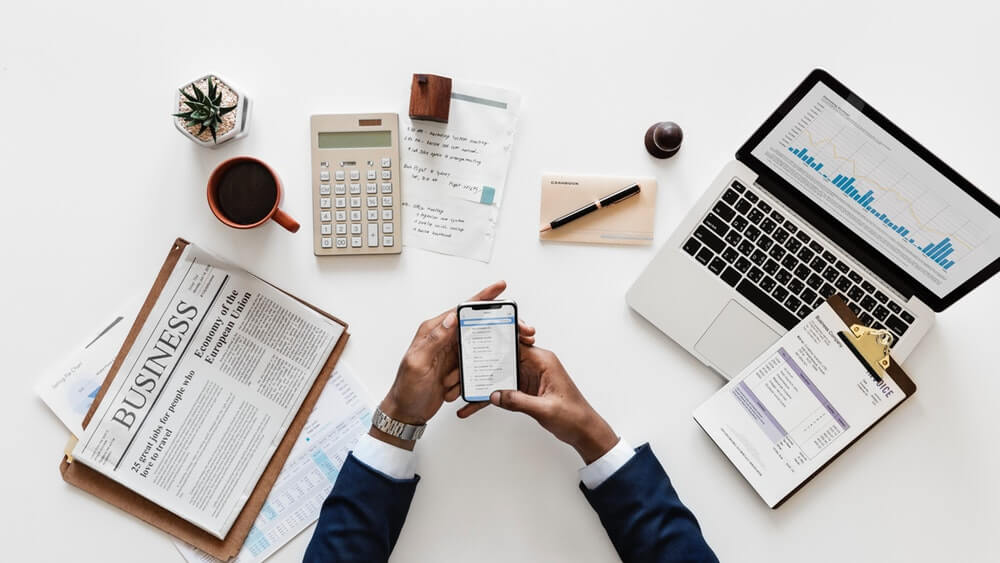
430 97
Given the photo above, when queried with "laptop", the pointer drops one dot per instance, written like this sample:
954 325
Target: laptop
827 196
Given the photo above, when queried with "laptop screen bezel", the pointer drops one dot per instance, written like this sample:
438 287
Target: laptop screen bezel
871 257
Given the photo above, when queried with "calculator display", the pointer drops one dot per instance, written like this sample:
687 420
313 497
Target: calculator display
355 139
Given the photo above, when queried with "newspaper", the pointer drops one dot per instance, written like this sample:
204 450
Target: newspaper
207 391
342 414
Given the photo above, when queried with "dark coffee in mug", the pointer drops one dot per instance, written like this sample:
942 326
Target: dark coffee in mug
246 192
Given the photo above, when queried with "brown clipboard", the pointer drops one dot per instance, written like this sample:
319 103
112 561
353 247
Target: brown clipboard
120 496
893 371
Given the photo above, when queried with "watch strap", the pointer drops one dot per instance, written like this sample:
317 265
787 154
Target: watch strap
395 428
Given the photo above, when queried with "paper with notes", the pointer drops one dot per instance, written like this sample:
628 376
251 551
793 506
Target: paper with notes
341 416
454 173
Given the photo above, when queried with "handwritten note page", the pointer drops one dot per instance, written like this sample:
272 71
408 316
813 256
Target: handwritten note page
454 173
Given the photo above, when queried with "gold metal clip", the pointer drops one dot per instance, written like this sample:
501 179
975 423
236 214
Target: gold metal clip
873 345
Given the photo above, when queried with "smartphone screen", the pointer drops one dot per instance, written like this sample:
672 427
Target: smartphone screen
488 345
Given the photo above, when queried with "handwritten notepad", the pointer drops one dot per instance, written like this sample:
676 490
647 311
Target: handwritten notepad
454 173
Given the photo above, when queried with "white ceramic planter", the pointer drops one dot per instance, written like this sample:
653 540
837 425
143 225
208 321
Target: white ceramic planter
234 129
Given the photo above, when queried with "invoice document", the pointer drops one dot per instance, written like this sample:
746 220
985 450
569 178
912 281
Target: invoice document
796 407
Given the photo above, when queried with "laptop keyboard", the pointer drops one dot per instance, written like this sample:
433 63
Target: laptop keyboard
768 259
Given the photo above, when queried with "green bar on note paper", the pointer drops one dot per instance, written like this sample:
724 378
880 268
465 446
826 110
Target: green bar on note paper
487 195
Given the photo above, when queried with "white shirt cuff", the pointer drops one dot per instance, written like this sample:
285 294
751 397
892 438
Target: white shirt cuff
385 458
598 472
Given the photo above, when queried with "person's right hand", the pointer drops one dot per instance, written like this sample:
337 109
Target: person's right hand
547 394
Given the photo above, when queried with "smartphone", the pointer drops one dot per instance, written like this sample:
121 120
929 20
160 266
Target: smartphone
487 348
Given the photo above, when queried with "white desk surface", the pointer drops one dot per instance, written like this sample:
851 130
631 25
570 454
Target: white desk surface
98 183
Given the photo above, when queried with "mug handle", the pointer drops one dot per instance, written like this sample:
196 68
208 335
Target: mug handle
285 220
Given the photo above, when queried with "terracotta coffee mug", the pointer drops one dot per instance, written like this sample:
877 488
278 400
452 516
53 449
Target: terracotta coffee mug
244 192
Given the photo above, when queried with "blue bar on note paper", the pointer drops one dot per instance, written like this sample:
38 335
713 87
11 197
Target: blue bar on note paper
802 153
848 183
838 179
941 259
818 166
948 265
867 198
487 195
810 161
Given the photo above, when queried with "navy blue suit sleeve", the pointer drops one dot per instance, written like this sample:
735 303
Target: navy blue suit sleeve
643 515
362 517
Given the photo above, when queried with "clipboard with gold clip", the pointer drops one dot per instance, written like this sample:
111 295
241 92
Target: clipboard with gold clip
871 346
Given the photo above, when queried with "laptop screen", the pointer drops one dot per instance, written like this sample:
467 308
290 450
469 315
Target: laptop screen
881 190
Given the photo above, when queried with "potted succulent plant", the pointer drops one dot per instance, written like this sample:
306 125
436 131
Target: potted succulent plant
210 111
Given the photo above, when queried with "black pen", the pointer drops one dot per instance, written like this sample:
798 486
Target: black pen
620 195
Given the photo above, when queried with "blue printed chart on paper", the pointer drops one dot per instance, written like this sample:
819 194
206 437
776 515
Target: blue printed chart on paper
883 191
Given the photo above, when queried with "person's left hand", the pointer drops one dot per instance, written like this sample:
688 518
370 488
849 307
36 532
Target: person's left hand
428 374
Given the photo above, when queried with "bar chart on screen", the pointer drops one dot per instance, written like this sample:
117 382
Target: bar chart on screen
855 164
914 213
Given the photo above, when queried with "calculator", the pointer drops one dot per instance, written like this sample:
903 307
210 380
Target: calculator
355 184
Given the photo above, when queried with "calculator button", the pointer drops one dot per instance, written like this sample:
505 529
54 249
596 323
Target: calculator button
339 175
387 174
324 202
372 201
355 202
387 201
355 215
373 214
372 175
387 228
326 229
372 188
372 234
341 215
355 175
324 215
387 187
341 202
356 228
326 242
386 241
355 189
386 162
341 189
387 214
356 242
324 189
324 164
341 229
324 175
341 242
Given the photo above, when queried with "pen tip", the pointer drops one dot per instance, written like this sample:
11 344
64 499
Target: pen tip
545 228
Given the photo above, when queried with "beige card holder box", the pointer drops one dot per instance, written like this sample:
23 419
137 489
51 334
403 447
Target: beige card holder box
120 496
629 222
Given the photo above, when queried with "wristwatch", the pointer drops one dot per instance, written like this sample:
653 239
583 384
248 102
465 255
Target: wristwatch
395 428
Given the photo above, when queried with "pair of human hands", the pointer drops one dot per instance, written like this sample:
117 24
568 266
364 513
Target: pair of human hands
428 376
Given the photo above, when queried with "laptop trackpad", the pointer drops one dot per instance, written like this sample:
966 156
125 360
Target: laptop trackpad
735 339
